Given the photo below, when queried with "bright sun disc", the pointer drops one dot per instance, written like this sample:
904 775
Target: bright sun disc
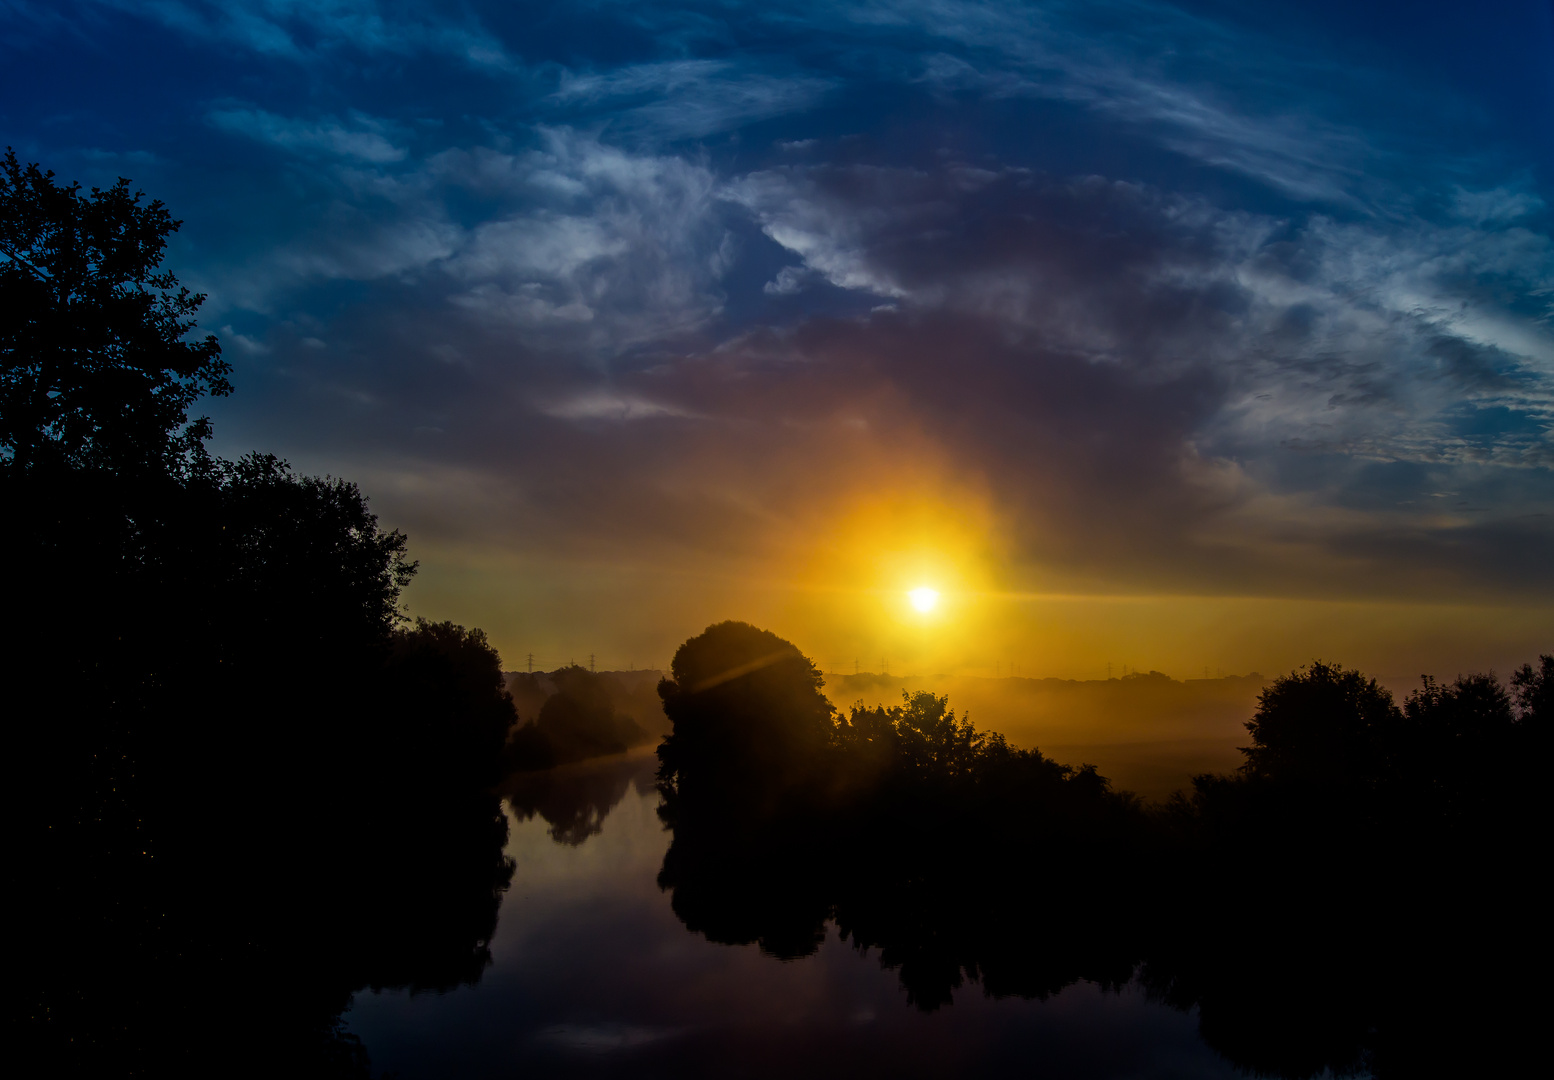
923 599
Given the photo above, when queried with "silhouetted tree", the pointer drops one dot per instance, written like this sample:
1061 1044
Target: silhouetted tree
301 552
1435 777
922 735
1323 726
447 712
576 722
236 769
923 837
95 371
751 728
1534 691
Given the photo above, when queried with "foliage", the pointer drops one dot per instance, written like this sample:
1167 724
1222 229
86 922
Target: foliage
920 738
1335 764
575 723
1325 726
209 684
95 368
751 728
306 549
755 739
1534 691
446 712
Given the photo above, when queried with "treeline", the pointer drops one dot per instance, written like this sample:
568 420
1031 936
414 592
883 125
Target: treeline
1318 907
242 786
575 714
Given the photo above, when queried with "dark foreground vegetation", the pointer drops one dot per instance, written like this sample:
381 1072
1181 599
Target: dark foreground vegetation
241 787
1358 897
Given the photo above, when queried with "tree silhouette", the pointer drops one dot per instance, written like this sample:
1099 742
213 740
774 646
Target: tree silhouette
1534 691
752 729
241 768
576 722
1324 725
95 371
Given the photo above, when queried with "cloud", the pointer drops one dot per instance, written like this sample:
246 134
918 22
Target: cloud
610 249
583 246
1345 337
308 30
1496 206
790 281
243 342
808 216
683 99
1154 69
362 137
605 405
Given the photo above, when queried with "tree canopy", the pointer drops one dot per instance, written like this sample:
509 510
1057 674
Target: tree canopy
751 726
1324 725
96 367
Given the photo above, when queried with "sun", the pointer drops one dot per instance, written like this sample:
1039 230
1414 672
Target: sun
923 598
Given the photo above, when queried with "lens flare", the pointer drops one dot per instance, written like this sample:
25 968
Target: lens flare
924 599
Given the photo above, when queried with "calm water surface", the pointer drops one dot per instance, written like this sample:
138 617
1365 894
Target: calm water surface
593 974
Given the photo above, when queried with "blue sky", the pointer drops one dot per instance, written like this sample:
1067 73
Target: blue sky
1185 298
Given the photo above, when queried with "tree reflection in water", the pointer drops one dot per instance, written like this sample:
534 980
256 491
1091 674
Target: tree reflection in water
575 799
1334 907
403 895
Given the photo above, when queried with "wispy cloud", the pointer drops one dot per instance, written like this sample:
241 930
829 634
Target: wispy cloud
361 137
1186 81
610 405
681 99
585 246
307 29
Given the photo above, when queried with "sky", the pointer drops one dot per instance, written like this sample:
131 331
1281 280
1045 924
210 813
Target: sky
1190 337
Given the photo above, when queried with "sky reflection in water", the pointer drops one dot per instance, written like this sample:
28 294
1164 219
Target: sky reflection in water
593 973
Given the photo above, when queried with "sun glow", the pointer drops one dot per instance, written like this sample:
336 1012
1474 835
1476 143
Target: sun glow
923 598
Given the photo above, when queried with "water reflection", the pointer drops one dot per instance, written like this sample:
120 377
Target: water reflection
907 958
917 958
595 974
240 961
1371 966
575 799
